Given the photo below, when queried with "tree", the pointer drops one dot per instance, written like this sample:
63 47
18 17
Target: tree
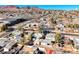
58 37
73 25
22 41
41 28
26 38
53 21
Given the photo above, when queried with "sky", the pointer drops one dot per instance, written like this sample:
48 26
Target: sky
56 7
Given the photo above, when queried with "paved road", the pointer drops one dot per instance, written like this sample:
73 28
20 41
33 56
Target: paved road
65 33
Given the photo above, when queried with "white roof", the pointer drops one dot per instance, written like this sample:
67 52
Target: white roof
5 49
42 49
50 36
46 41
76 39
38 35
3 41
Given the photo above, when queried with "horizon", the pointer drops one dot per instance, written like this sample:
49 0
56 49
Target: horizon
50 7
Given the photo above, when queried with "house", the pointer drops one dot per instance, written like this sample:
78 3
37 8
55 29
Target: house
36 42
3 42
28 31
45 42
43 20
17 35
37 35
76 42
33 25
60 26
39 51
9 46
75 39
50 36
6 44
48 39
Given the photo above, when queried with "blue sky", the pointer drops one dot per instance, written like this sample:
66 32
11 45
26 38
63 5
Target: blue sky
56 7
